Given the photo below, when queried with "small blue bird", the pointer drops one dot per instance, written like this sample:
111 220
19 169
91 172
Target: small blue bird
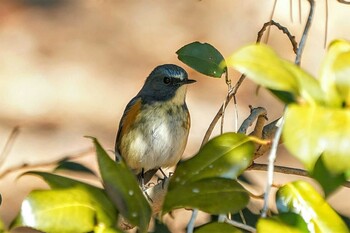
154 128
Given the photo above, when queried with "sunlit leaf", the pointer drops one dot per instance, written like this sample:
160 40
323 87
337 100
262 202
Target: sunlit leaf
301 198
204 58
326 178
332 67
282 223
217 227
227 156
64 210
310 131
341 71
105 211
73 166
212 195
122 187
261 64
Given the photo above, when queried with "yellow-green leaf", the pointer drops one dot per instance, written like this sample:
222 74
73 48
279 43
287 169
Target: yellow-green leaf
310 131
282 223
328 73
64 210
261 64
301 198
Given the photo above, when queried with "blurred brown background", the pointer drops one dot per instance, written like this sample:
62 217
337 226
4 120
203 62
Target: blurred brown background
68 68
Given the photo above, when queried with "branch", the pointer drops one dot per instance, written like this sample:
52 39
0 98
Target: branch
80 154
8 145
281 28
305 33
286 171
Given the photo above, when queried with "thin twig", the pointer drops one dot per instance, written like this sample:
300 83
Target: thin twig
271 17
270 172
344 2
45 164
281 28
219 113
240 225
8 145
326 26
285 171
190 225
305 33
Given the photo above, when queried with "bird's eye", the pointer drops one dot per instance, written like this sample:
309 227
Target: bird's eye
167 80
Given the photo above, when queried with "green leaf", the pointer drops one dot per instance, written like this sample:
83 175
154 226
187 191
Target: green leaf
212 195
326 178
122 187
105 211
204 58
65 210
217 227
332 73
227 156
73 166
283 223
261 64
310 131
301 198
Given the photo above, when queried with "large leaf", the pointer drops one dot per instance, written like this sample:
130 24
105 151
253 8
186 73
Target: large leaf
106 214
212 195
301 198
217 227
310 131
334 71
204 58
65 210
261 64
227 156
326 178
122 187
341 70
282 223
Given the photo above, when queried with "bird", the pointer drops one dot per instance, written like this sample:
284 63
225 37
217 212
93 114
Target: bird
154 127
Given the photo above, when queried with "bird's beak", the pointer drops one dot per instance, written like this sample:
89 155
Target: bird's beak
189 81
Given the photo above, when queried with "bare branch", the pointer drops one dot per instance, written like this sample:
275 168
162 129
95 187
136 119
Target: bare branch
8 145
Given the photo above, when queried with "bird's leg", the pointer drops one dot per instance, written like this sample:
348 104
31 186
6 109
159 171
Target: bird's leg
143 188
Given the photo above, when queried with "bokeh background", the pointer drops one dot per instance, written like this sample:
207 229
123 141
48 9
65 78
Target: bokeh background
69 67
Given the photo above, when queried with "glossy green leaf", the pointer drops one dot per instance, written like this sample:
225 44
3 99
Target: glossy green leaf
261 64
310 131
332 67
326 178
122 187
65 210
227 156
212 195
217 227
204 58
73 166
282 223
301 198
106 214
